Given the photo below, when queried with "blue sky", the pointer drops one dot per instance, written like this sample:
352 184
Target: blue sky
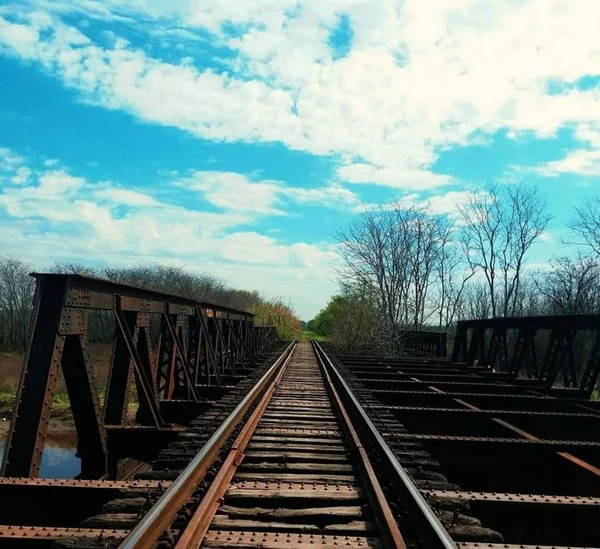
235 137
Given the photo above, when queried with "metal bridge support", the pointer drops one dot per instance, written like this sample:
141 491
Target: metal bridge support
198 344
560 360
524 354
592 370
59 339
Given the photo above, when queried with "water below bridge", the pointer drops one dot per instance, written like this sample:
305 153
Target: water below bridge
58 460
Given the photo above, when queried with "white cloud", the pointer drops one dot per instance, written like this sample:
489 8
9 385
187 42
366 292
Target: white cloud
392 177
59 216
126 197
50 162
422 76
9 160
22 175
233 191
331 196
59 182
584 162
449 203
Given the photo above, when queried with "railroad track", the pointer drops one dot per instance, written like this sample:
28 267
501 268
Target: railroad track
296 475
311 452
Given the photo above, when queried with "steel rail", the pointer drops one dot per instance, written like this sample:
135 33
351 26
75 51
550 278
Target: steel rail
196 529
427 524
390 533
148 531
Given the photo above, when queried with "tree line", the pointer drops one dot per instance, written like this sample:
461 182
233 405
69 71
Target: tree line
406 268
17 289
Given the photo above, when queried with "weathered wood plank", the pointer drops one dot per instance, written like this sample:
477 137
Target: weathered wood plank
296 456
296 447
347 512
225 523
327 478
340 468
322 495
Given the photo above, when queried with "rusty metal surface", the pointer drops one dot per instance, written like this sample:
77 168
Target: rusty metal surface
8 532
499 497
95 484
277 540
486 341
199 343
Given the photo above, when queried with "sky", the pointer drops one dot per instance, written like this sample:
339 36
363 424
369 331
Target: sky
236 137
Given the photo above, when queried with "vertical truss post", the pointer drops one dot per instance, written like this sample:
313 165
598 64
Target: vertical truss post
184 377
149 409
498 350
119 375
59 338
27 435
559 356
477 346
225 351
524 352
592 370
208 348
83 397
459 350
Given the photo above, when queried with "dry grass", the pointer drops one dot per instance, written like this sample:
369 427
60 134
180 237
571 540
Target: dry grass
10 371
10 374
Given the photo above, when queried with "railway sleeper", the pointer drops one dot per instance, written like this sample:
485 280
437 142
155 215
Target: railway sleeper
458 520
125 513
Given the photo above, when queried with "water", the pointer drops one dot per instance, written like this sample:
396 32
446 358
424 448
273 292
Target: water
58 459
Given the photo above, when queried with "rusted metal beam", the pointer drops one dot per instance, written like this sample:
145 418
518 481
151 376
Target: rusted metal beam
50 533
500 497
561 363
60 339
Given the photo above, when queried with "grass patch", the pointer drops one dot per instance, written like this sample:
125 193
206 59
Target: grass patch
307 334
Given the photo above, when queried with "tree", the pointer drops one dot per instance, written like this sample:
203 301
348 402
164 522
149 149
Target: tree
452 276
500 225
585 224
16 303
351 321
323 323
279 314
572 286
393 254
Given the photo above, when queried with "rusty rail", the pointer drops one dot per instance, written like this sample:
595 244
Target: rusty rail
162 514
432 532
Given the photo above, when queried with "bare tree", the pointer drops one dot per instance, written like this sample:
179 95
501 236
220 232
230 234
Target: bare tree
571 286
476 302
585 224
393 254
16 302
500 225
453 274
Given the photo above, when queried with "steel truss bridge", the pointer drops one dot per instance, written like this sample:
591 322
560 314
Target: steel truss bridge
242 440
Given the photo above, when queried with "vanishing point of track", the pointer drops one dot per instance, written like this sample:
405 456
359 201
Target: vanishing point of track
295 475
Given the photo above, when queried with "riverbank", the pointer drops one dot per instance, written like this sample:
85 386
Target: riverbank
61 417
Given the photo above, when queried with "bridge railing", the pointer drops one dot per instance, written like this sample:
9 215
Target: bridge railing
548 348
166 347
424 343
